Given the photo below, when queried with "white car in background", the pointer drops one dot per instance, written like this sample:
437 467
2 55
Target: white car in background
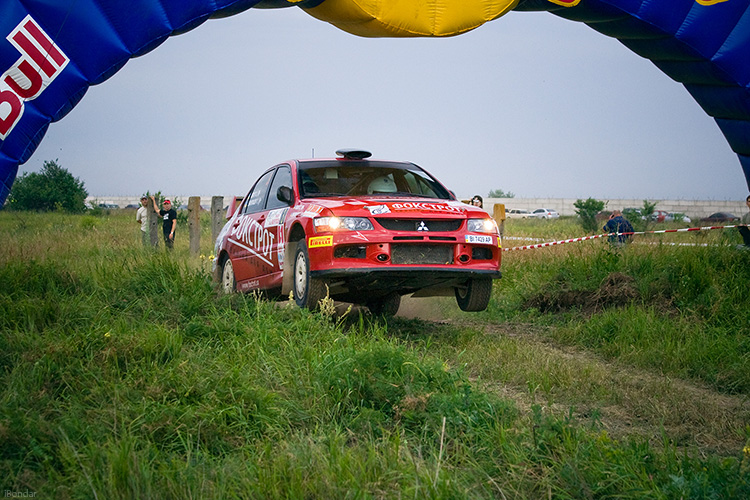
545 213
677 217
515 213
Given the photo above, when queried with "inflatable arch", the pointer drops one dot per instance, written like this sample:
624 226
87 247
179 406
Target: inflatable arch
54 51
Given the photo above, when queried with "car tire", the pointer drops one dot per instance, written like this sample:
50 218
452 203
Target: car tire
308 291
475 296
228 282
385 306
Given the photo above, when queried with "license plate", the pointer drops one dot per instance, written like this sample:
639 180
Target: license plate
482 240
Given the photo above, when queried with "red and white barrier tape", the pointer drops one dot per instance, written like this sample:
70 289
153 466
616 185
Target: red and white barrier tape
584 238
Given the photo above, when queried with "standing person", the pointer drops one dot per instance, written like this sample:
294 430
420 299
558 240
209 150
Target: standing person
169 225
615 226
477 201
141 216
745 230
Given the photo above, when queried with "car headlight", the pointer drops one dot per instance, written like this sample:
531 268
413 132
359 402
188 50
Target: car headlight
328 224
481 226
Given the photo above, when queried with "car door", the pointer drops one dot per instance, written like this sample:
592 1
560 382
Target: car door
249 243
275 217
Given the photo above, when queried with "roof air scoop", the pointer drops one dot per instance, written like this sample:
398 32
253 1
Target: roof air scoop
353 154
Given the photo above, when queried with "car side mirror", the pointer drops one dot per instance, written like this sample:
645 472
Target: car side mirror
284 193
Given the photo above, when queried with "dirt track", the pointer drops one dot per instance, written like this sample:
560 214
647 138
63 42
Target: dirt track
623 400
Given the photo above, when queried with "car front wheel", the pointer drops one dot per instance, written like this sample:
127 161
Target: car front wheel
228 283
308 291
475 296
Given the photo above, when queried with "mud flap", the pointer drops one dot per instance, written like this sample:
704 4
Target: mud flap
287 276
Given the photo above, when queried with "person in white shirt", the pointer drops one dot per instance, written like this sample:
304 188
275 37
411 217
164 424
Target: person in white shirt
141 216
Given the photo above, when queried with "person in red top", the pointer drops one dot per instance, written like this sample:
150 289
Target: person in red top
169 225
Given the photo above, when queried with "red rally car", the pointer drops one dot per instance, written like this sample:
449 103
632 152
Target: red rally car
357 230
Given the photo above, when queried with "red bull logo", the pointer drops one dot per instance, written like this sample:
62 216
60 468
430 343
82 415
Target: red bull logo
40 63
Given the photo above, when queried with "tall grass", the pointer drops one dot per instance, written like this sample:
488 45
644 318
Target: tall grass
124 375
688 314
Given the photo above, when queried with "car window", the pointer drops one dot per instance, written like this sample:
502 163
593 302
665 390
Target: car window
283 177
257 196
342 178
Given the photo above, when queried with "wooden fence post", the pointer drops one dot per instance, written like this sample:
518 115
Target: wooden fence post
498 213
194 224
218 217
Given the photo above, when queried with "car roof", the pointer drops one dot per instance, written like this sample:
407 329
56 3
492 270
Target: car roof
350 161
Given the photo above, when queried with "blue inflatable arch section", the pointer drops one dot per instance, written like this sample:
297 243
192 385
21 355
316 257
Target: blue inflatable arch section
54 50
705 45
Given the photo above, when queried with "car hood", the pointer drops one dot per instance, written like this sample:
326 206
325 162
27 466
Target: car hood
411 207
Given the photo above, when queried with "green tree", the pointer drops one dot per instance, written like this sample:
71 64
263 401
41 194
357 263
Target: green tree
499 193
587 211
54 188
647 211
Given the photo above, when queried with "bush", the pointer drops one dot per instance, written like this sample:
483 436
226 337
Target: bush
54 188
587 211
640 218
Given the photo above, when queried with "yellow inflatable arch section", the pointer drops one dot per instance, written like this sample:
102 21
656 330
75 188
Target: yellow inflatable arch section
409 18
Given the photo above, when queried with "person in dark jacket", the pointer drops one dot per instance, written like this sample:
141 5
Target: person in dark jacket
618 228
169 215
745 229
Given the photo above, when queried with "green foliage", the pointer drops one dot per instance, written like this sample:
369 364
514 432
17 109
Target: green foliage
54 188
586 211
681 308
499 193
123 374
640 218
648 209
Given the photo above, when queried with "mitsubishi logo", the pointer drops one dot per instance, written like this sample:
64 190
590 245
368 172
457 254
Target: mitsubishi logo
422 227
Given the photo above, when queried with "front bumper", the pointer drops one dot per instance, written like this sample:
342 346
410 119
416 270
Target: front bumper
357 284
357 267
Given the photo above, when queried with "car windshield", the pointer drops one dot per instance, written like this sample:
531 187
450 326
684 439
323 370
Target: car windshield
363 178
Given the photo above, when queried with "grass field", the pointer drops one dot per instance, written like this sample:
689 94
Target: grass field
593 374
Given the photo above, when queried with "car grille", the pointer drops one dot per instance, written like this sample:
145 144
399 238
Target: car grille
421 254
413 224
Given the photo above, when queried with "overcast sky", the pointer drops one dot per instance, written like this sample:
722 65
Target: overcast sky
529 103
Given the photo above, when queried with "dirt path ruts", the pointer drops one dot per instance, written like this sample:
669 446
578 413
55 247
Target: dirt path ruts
624 400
